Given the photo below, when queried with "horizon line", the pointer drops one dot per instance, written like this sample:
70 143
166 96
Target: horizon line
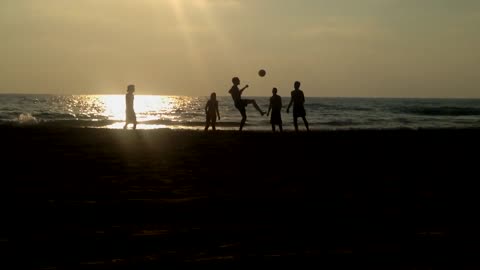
207 95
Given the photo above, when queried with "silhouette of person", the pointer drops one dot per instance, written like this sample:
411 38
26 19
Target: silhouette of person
275 107
298 100
211 110
240 103
131 117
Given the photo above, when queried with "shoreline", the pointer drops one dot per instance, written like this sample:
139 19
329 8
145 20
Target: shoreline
287 129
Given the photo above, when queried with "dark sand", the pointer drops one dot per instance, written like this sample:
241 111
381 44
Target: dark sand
114 199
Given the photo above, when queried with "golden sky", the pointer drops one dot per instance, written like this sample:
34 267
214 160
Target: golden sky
371 48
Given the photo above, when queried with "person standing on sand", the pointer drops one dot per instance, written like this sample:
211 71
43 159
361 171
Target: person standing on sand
211 110
298 100
240 103
131 117
276 108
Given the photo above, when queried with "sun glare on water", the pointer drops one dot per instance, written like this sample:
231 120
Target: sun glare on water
148 109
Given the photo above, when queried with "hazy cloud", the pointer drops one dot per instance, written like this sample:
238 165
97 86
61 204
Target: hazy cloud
337 47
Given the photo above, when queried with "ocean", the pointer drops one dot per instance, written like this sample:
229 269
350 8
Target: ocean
183 112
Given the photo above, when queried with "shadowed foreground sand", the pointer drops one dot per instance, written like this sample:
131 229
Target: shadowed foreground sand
98 199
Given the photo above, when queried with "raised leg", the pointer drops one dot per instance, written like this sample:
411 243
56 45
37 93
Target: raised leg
252 101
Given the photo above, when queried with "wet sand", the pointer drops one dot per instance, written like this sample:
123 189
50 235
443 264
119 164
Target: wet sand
98 199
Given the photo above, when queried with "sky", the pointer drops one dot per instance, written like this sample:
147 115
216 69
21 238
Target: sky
336 48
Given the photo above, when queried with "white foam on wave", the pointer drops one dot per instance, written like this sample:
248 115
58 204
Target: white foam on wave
27 118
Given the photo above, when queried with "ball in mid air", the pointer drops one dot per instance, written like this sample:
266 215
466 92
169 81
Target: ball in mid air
262 73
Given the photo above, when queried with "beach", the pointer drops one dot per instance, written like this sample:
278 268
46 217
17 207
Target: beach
96 198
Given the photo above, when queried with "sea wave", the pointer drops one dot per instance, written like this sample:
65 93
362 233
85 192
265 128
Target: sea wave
340 123
26 118
439 111
337 107
54 116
